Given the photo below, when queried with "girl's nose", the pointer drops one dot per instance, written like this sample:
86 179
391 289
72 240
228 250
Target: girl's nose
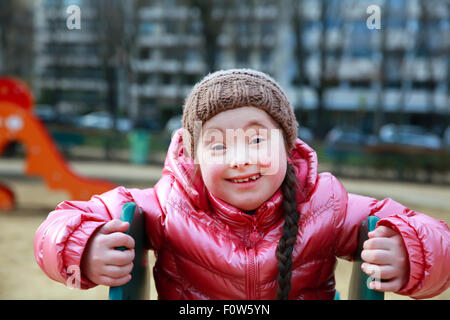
240 158
239 162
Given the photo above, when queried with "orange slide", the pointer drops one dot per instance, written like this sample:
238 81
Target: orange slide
43 158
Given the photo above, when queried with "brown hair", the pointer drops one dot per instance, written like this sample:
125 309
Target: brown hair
290 229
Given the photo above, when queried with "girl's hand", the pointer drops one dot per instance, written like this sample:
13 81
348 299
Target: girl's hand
385 258
102 263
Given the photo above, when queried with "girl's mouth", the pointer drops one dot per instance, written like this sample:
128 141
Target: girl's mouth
246 179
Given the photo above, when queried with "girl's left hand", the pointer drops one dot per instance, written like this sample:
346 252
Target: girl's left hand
385 258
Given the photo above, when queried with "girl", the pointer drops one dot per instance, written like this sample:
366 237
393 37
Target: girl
240 212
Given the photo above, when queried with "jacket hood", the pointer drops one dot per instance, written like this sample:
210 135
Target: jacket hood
183 169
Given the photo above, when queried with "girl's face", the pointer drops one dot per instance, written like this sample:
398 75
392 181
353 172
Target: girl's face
242 157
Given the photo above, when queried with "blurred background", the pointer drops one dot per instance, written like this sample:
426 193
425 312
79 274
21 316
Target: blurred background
369 82
356 90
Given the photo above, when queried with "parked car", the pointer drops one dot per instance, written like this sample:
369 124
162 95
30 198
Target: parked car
347 140
409 135
45 113
349 136
103 120
49 115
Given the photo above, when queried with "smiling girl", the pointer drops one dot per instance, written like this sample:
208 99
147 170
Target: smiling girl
241 212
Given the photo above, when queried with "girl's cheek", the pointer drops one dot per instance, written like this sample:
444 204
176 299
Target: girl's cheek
211 171
270 163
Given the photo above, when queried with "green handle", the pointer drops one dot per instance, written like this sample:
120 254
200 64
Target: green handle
127 216
359 289
138 287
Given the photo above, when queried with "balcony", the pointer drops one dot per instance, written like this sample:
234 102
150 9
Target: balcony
168 66
46 60
73 84
169 91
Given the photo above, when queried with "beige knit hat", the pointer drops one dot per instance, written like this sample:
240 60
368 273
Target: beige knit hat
230 89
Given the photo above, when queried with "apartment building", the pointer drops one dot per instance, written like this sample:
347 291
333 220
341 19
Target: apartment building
68 61
171 42
407 58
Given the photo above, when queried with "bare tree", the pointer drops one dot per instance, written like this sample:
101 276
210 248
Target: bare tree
117 32
16 38
319 125
213 15
380 81
424 44
300 50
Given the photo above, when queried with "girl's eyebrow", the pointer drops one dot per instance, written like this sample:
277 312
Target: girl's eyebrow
209 137
249 124
255 123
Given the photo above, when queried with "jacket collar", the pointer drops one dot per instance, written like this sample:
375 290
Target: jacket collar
182 167
266 215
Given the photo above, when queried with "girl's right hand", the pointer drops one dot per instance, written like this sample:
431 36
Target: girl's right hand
102 263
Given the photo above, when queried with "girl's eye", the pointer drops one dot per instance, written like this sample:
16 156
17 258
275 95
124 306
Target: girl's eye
257 139
218 147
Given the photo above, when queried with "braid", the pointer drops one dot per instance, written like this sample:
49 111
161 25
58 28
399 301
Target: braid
290 229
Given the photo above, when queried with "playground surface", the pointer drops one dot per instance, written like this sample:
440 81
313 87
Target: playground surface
21 277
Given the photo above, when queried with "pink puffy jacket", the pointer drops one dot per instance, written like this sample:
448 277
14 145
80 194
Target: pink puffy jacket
207 249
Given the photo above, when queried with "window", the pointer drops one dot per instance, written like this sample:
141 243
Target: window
145 53
268 28
266 55
147 28
193 56
244 29
172 54
189 79
166 78
170 27
72 2
242 56
195 27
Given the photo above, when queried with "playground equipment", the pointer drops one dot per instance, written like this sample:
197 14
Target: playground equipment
138 287
359 282
43 158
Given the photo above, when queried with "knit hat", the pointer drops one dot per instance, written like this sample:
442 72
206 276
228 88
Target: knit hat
234 88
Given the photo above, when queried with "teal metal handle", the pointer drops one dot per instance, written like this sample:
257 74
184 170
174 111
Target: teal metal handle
138 287
127 216
359 283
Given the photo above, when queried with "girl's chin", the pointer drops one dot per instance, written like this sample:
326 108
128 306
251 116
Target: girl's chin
245 205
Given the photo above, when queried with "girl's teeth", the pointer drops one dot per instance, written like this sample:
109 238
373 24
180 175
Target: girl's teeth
247 179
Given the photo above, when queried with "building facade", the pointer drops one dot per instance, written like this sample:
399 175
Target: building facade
323 53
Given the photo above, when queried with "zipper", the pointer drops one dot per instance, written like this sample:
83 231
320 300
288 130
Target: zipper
251 263
251 274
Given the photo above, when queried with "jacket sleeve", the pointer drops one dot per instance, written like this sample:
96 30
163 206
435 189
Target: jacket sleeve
60 240
426 239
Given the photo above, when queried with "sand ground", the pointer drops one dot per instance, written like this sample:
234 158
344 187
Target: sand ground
21 277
